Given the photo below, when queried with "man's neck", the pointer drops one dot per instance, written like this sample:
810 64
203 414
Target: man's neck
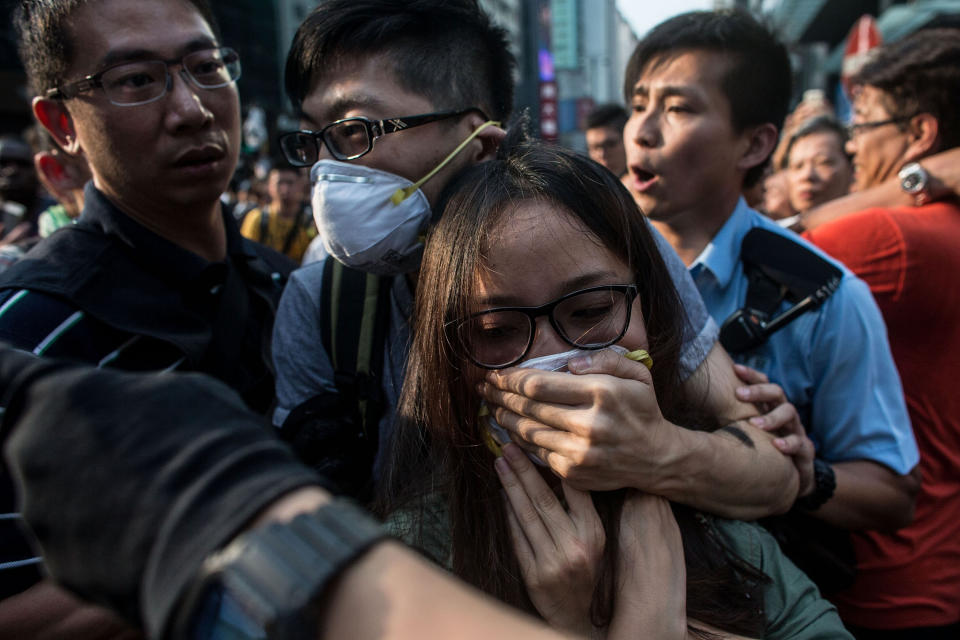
204 234
282 212
690 232
199 229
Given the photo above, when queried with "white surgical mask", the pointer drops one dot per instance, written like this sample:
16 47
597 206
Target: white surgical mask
373 220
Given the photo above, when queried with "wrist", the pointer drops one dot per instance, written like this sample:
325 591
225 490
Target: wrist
273 578
822 488
292 504
916 182
671 471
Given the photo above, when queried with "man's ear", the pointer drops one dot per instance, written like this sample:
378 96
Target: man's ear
59 173
51 173
56 120
760 142
923 137
489 138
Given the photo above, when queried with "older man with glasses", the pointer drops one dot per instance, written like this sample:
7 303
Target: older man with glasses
155 275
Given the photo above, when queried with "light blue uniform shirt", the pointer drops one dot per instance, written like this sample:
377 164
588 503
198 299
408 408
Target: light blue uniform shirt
834 363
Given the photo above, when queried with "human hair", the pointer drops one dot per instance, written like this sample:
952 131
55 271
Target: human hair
816 124
757 79
610 115
438 444
46 42
446 50
919 74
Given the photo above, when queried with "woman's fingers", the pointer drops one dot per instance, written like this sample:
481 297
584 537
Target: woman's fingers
538 510
527 516
582 511
521 546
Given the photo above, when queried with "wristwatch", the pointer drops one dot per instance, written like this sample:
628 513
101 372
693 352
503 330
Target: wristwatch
915 181
269 583
824 484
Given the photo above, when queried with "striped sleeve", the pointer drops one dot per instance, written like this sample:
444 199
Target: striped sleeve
45 325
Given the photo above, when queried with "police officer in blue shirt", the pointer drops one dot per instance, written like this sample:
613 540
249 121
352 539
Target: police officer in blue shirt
707 92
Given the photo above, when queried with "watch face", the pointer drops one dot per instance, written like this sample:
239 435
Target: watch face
913 179
221 618
911 182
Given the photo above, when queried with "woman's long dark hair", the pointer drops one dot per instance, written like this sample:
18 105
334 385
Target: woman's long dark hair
438 446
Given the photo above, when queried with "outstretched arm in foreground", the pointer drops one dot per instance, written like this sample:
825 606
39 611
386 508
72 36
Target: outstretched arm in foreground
397 592
180 468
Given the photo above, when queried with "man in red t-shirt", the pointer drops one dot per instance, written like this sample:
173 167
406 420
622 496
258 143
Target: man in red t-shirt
908 582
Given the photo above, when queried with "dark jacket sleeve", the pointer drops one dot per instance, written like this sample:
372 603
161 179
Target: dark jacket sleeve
129 481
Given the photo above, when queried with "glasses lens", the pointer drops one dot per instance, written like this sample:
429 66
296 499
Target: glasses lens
135 82
300 149
348 138
497 338
213 68
593 318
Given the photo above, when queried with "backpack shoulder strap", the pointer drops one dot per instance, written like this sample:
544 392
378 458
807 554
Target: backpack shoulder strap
777 269
796 270
296 229
356 309
264 224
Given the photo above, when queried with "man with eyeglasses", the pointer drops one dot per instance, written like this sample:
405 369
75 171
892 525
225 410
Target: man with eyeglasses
391 108
904 111
155 276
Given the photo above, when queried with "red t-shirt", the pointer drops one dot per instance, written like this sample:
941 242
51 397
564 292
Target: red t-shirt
910 257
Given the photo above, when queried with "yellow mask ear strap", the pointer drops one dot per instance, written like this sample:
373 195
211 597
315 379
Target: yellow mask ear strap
402 194
640 355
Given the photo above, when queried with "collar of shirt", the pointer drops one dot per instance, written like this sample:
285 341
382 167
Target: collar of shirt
722 256
155 252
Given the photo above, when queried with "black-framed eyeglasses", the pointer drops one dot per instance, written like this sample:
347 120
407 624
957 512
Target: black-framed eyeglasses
134 83
591 318
351 138
855 128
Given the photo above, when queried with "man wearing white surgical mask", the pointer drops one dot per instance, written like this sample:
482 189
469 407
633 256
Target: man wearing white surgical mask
392 107
389 213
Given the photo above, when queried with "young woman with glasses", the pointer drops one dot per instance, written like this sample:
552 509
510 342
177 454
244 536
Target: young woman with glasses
539 252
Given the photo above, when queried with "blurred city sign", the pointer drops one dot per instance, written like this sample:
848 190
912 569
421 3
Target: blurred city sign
864 36
549 128
545 65
563 34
